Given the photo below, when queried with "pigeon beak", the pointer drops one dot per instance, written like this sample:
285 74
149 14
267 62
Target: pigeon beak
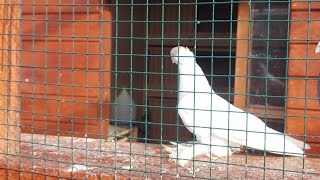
172 60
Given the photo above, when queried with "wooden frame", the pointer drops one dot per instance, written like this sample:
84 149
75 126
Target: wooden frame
242 52
9 77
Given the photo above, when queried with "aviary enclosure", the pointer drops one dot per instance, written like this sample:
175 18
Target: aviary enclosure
88 90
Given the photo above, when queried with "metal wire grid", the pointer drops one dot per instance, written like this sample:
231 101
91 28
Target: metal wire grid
143 89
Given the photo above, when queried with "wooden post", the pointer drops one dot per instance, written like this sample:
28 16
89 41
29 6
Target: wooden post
106 64
242 46
9 77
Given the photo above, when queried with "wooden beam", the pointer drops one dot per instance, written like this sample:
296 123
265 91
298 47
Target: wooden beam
242 46
9 77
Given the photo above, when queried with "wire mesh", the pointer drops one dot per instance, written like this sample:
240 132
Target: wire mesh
89 89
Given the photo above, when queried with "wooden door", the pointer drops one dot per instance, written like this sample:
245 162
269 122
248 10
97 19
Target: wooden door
179 29
163 74
65 67
166 124
303 107
163 104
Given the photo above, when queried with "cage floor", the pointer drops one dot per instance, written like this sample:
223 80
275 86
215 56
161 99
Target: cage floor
80 158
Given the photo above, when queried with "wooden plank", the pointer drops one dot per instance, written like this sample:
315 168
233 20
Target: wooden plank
302 93
9 77
81 78
314 149
301 62
64 25
66 46
304 6
298 119
171 14
162 73
301 28
168 123
66 90
63 110
63 54
242 52
204 40
65 2
57 6
89 130
62 60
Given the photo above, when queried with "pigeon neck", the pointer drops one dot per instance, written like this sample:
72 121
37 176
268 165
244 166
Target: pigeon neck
190 69
191 79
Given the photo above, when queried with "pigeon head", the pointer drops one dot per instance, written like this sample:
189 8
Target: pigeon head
181 55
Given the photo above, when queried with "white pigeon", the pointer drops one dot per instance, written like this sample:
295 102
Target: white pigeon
217 124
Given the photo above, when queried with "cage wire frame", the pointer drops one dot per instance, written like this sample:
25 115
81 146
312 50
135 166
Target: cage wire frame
59 156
